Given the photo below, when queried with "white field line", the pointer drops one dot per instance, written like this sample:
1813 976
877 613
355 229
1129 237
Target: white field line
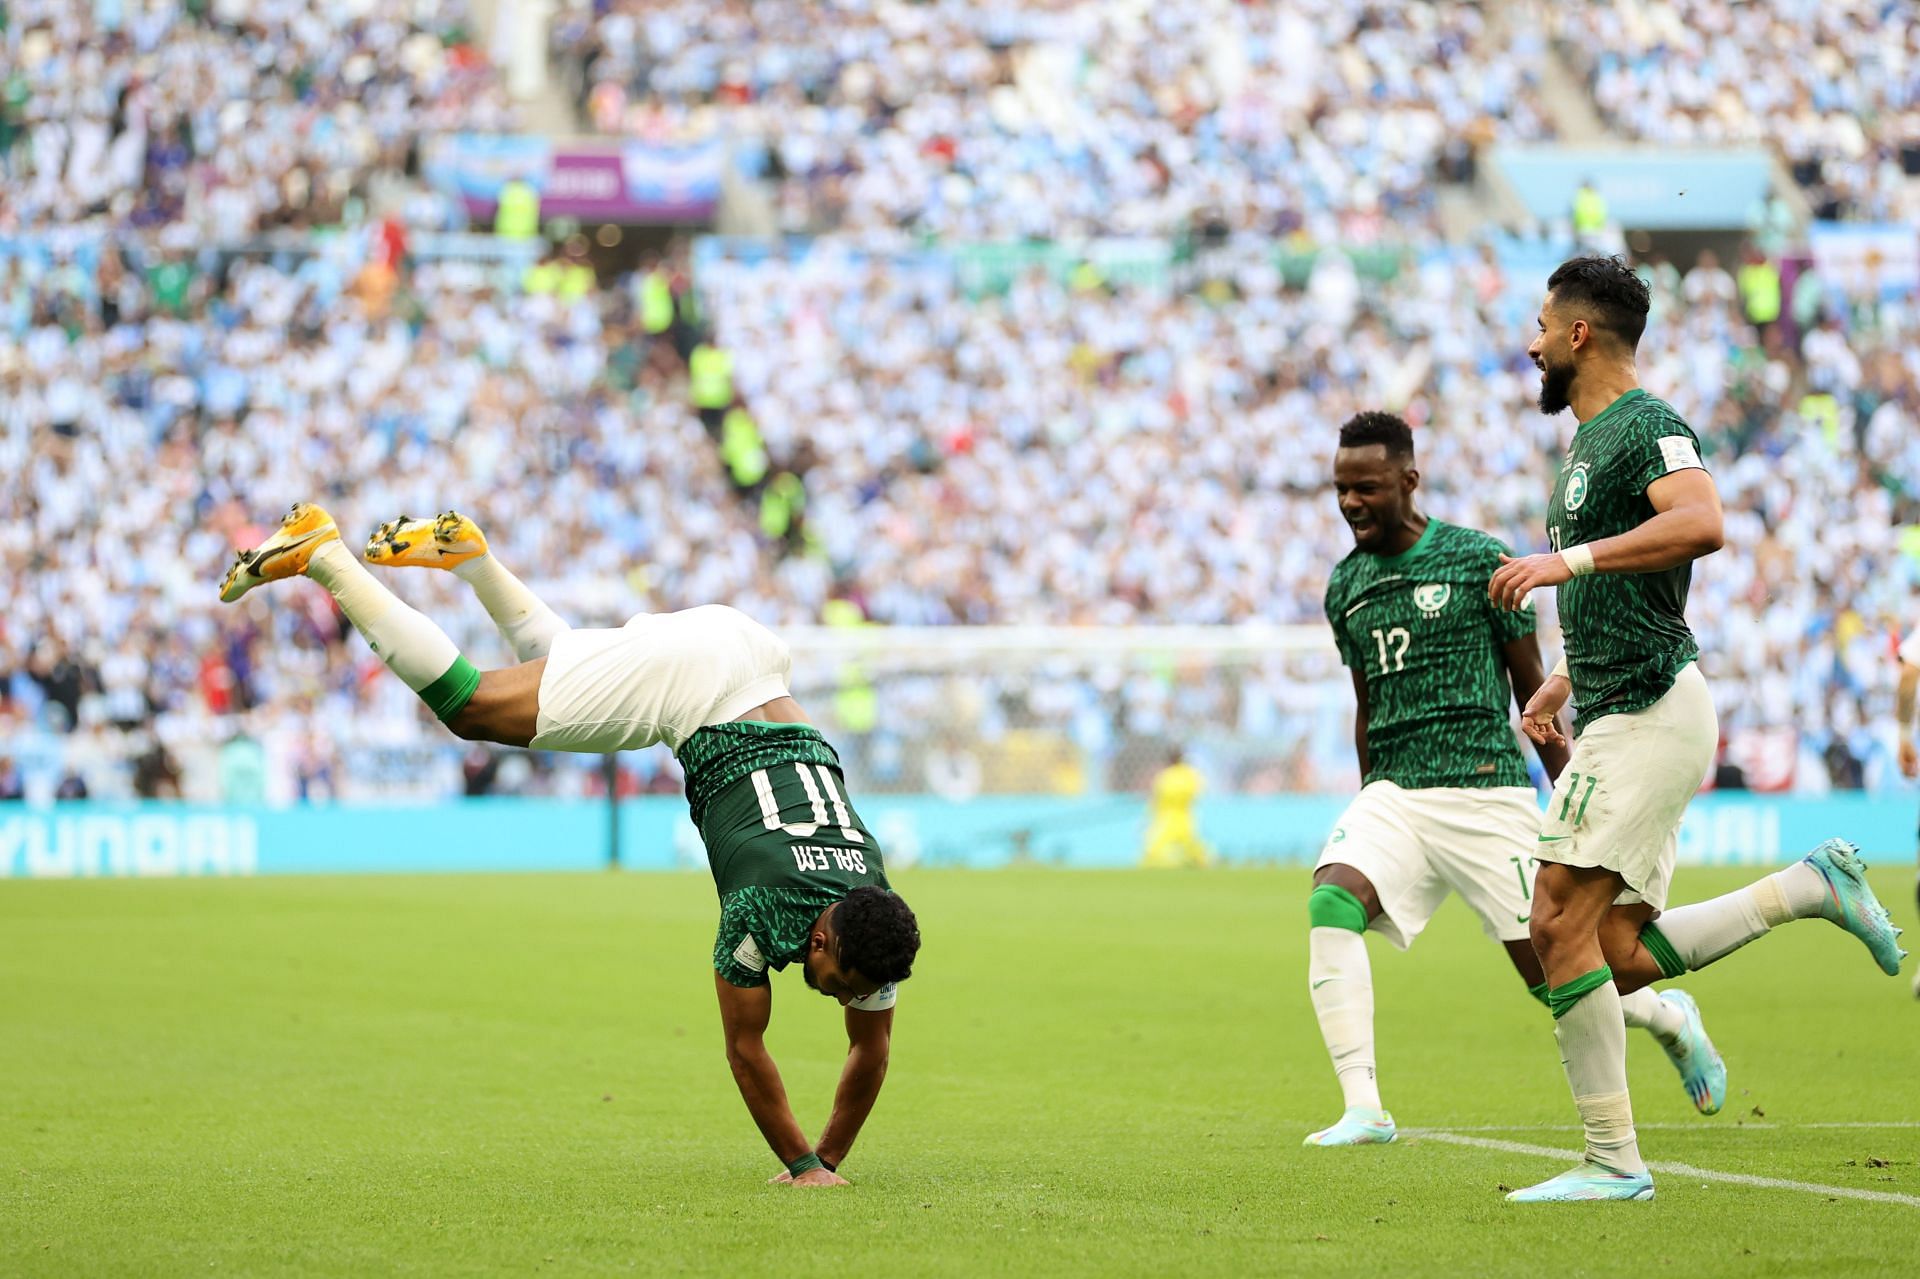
1678 1170
1704 1125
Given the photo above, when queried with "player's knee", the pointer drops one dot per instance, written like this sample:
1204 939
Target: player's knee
469 723
1331 906
1547 930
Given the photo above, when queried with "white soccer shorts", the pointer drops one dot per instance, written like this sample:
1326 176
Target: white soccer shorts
1632 774
1416 846
660 678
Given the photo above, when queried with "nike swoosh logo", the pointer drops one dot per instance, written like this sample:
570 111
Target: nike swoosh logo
1323 981
1548 839
1523 919
288 549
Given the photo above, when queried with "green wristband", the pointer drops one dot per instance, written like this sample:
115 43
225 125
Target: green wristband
805 1163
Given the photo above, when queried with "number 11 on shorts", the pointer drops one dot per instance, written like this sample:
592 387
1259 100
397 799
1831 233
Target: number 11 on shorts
1573 788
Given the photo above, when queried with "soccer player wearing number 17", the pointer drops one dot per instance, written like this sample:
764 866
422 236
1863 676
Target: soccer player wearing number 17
800 877
1631 511
1447 805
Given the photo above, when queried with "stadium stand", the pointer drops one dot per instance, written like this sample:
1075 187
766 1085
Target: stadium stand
906 434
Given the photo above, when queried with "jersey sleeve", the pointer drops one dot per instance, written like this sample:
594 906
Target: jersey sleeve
879 1001
1336 603
1660 444
737 956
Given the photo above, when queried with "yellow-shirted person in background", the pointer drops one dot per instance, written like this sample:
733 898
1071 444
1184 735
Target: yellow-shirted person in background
1173 837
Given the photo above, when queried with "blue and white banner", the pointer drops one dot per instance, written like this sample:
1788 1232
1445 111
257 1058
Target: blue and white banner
69 841
1867 259
603 181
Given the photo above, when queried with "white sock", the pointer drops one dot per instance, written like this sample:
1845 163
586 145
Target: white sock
1703 932
1644 1010
1341 983
525 622
412 646
1593 1048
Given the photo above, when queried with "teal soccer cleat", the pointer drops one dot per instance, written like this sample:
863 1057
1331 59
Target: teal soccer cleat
1702 1073
1360 1126
1852 905
1587 1183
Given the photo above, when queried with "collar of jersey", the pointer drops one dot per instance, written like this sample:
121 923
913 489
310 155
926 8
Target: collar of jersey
1426 536
1637 392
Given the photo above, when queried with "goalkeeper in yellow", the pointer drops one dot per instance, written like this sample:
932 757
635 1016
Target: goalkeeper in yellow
1173 836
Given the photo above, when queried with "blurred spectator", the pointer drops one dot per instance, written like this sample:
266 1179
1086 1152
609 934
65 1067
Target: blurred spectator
1590 218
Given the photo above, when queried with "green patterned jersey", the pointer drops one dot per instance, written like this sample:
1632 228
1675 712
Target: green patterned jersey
1420 629
782 840
1625 633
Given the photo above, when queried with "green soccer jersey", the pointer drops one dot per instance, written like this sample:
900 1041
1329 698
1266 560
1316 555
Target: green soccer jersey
1626 634
1420 628
784 844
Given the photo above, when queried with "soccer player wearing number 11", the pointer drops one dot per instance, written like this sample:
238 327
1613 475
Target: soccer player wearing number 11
1446 805
800 877
1632 509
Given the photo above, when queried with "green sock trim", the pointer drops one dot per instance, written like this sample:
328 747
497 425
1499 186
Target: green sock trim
449 695
1331 906
1540 993
1671 965
1561 999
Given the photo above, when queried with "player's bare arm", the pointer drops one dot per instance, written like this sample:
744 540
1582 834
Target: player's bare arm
744 1014
1903 708
1522 659
1686 526
1360 717
869 1042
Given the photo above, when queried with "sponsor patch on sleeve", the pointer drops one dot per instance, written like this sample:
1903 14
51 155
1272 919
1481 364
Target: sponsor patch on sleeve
879 1001
1679 454
747 955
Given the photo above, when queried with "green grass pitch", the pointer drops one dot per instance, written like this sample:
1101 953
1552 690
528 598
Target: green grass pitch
1093 1073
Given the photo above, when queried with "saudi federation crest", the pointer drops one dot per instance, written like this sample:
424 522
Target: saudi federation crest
1432 597
1577 488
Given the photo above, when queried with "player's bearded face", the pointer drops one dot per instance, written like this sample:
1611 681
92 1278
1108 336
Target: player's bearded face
1555 365
1556 383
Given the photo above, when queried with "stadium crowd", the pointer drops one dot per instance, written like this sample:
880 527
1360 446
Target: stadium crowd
217 119
1069 452
1834 84
1072 117
886 444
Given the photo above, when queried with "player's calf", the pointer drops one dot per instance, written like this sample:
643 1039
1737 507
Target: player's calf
1830 883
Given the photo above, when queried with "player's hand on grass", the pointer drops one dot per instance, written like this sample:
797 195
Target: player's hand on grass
820 1177
781 1180
1540 721
1909 758
1516 577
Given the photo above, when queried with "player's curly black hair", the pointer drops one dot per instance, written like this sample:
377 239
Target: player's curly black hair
877 934
1608 287
1388 429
